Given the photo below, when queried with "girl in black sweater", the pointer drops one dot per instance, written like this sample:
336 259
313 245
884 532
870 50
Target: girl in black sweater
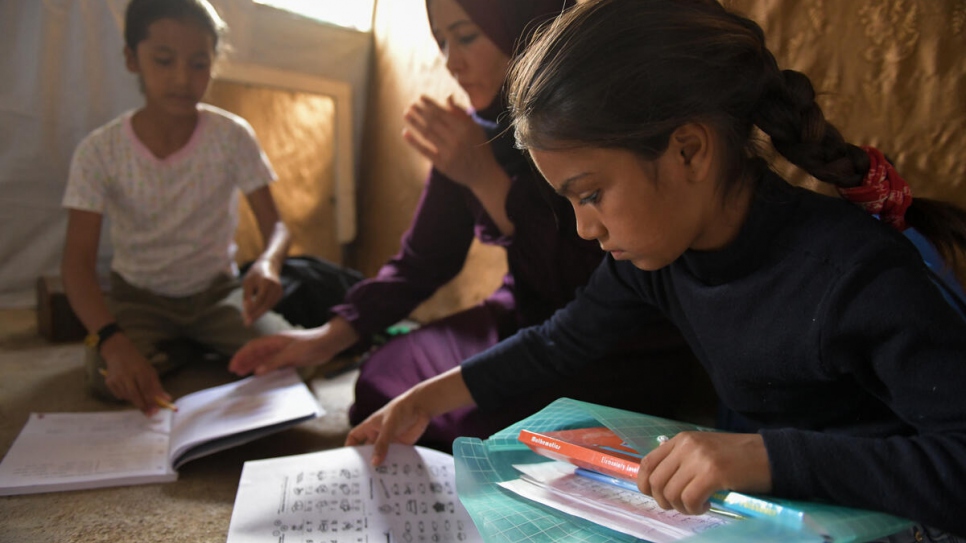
817 323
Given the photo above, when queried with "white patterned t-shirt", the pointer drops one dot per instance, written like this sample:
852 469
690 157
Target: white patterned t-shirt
172 221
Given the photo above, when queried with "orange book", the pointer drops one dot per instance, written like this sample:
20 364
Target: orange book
597 449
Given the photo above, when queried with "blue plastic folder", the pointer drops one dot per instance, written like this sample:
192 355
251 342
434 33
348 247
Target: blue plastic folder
501 515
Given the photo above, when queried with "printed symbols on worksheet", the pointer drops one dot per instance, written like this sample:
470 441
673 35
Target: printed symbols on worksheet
335 505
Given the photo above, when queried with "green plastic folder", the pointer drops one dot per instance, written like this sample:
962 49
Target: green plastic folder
501 515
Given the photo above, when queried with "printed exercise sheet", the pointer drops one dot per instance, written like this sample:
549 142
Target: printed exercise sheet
337 496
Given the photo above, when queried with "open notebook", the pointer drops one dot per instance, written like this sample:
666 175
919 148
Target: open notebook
70 451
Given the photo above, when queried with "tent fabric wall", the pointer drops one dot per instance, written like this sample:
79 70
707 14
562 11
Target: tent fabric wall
55 87
62 75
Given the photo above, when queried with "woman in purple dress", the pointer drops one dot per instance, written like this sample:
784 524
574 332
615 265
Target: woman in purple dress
480 186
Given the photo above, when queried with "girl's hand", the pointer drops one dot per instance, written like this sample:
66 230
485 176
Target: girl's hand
402 420
448 136
294 348
130 376
261 290
405 418
685 471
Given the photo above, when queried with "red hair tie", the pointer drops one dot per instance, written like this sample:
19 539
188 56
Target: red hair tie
882 192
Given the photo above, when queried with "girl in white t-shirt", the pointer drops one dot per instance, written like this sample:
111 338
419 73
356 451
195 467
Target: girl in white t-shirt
168 176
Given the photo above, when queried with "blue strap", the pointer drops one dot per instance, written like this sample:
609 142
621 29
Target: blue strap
941 274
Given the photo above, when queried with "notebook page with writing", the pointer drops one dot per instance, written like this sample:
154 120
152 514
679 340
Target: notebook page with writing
70 451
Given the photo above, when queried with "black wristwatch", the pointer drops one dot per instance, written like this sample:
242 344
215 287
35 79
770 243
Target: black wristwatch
95 340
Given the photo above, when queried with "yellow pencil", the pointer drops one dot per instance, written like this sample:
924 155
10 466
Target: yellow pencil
165 404
157 399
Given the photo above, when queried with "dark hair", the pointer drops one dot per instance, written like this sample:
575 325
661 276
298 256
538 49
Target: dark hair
627 73
141 13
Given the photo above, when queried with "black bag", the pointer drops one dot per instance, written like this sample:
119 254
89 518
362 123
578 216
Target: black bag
311 286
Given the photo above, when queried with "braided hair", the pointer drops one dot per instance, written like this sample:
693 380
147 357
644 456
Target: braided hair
626 73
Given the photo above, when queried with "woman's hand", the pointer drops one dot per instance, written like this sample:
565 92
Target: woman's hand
261 290
448 136
685 471
130 376
458 148
405 418
294 348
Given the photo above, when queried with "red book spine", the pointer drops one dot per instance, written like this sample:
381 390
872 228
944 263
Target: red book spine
611 463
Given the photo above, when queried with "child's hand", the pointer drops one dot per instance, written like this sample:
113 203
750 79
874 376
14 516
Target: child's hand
448 136
261 290
402 420
130 376
406 417
683 472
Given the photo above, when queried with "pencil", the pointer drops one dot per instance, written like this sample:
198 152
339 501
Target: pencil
165 404
157 399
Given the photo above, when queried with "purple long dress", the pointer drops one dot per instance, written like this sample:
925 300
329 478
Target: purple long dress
547 263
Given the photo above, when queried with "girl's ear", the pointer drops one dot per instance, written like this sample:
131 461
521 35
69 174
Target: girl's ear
693 148
131 60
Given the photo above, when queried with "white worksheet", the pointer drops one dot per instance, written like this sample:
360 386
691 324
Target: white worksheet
337 496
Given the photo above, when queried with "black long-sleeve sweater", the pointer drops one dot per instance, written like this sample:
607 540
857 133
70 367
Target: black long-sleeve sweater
819 324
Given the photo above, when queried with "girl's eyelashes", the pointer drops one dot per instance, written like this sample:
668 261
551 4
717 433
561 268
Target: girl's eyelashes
468 38
591 198
462 40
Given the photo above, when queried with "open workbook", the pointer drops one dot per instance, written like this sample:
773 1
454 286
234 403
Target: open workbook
71 451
